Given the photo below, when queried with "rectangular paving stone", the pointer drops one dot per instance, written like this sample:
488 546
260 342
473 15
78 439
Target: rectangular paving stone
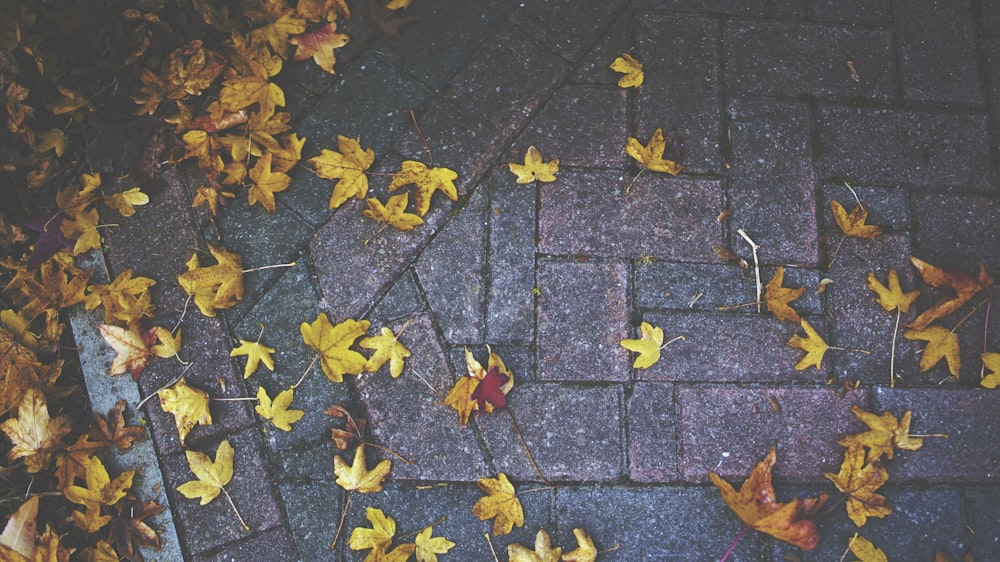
593 67
580 126
706 287
310 507
850 11
582 315
938 52
727 7
728 430
564 26
652 433
589 213
273 544
574 432
888 207
485 105
205 527
680 93
984 521
989 17
791 59
408 418
772 182
652 523
908 148
955 231
510 306
451 271
969 454
400 301
729 347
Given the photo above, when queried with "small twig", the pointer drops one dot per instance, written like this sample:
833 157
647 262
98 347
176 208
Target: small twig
971 312
183 312
440 520
517 429
986 333
735 306
612 549
168 385
854 349
238 516
628 188
374 236
241 399
892 354
844 555
427 147
735 542
539 489
941 435
756 263
387 450
416 372
836 251
263 267
340 526
309 368
855 194
493 550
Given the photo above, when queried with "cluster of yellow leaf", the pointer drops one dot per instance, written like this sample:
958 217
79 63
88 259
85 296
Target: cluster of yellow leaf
379 537
461 395
217 286
333 344
544 552
861 473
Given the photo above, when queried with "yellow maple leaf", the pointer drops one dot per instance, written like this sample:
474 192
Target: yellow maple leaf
992 362
131 346
333 343
277 412
543 551
348 166
126 299
282 23
211 196
859 480
648 347
33 433
74 200
651 155
460 398
254 88
865 550
266 182
853 224
393 213
288 154
427 547
388 349
212 476
892 297
427 181
189 406
206 149
885 434
631 68
100 490
256 353
319 45
83 228
90 520
586 552
69 101
193 69
812 344
534 168
71 462
942 343
169 344
356 476
378 536
777 297
215 287
500 502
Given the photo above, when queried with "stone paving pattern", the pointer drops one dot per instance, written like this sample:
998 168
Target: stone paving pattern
762 109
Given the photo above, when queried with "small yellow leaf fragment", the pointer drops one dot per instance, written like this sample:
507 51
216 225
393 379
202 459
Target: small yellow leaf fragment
942 343
648 346
651 155
543 550
277 411
992 362
586 552
460 398
357 477
534 169
631 68
501 503
866 551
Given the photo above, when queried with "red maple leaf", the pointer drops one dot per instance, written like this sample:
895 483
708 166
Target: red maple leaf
489 390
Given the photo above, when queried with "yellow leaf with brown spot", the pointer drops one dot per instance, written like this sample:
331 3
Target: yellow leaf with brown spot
206 149
500 504
189 406
33 434
131 347
777 298
853 224
534 169
651 155
631 68
214 287
426 181
942 343
347 166
319 45
885 434
126 299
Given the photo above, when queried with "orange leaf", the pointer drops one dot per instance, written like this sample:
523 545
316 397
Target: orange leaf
964 285
853 224
859 480
777 297
319 45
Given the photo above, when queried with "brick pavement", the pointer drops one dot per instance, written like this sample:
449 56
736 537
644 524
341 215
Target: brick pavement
771 123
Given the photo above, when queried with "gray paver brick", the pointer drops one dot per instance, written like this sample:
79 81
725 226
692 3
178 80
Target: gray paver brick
273 544
680 93
666 285
772 182
565 26
451 271
728 430
910 148
304 502
313 461
574 432
946 460
728 7
989 16
955 231
580 125
777 58
888 208
588 212
652 433
652 523
984 521
408 418
400 301
510 307
850 11
206 527
938 52
593 67
582 316
728 348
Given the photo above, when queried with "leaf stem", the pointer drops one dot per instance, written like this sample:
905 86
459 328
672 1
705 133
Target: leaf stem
493 550
440 520
388 450
628 188
238 516
241 399
263 267
735 306
309 368
971 312
836 251
735 542
427 147
756 263
168 385
672 340
853 349
986 333
517 429
892 354
340 526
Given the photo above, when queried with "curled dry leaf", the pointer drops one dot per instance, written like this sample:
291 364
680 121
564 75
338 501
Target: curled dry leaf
648 346
113 430
964 286
131 346
885 434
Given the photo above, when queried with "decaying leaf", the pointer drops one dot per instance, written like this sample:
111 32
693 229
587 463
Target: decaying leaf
756 505
277 411
388 349
586 552
256 353
353 432
356 476
859 480
129 529
426 181
333 343
777 298
543 551
964 285
34 435
631 68
347 166
853 224
651 155
214 287
188 405
866 551
465 396
114 431
942 343
992 362
21 529
648 346
393 213
212 476
534 169
812 344
892 297
886 434
501 503
131 346
319 45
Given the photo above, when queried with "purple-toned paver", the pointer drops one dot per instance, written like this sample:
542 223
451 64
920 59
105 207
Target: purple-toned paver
566 27
273 544
652 433
582 317
972 225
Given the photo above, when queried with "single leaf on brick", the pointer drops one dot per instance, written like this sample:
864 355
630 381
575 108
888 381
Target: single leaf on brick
942 343
319 45
277 411
388 349
356 476
631 68
812 344
859 480
586 552
426 181
777 298
534 169
651 155
885 434
265 182
500 504
756 505
169 346
964 286
34 435
126 201
992 362
891 297
189 406
428 547
648 346
217 286
378 537
212 476
113 429
256 354
853 224
393 213
865 550
333 343
347 166
543 551
131 347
